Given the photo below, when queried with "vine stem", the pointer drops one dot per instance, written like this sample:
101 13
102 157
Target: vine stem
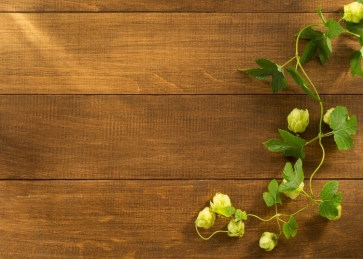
287 62
320 135
277 218
265 220
207 238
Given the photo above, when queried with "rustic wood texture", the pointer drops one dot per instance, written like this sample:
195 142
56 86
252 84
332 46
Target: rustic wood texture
119 121
160 137
155 219
157 53
170 6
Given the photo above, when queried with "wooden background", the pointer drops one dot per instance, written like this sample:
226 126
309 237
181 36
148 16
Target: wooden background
119 121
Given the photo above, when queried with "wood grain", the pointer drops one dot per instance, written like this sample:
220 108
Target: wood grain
170 6
155 219
160 137
154 53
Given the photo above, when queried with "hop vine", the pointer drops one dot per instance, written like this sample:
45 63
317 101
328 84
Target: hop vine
342 125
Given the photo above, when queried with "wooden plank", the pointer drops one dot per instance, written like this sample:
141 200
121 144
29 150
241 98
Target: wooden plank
169 6
158 137
155 219
157 53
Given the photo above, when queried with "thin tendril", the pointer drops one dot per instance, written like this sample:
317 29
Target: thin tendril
207 238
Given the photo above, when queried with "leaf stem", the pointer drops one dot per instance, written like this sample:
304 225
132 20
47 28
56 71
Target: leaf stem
352 33
322 136
207 238
287 62
300 210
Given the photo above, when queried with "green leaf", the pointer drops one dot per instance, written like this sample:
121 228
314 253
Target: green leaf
334 29
329 190
240 215
359 1
293 177
321 14
290 145
343 127
355 61
290 228
269 68
356 28
309 51
361 40
273 196
299 80
318 43
227 211
330 200
309 33
325 49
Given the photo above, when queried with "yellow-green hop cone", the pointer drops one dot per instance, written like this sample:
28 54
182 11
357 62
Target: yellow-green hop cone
298 120
205 218
326 117
353 12
293 194
220 202
268 241
236 229
339 208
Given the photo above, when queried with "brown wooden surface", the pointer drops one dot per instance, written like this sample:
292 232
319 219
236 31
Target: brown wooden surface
160 137
170 6
155 219
121 119
156 53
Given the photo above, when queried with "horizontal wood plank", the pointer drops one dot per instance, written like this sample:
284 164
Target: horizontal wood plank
153 53
158 137
155 219
169 6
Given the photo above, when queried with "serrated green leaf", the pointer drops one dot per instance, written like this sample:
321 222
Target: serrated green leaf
269 68
343 127
330 199
265 63
294 177
289 146
328 209
318 43
240 215
329 190
290 228
299 80
355 62
334 29
321 14
273 196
